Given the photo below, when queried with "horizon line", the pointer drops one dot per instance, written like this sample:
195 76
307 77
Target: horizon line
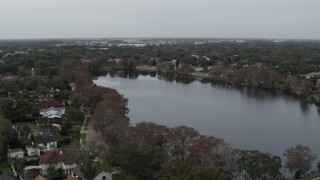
202 38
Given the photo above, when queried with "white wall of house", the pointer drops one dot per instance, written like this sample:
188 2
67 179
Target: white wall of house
48 146
14 153
103 174
33 151
68 168
36 151
51 145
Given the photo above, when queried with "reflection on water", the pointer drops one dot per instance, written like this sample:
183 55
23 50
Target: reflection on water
247 118
250 92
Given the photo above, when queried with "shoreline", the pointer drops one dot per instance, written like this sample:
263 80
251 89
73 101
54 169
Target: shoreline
310 97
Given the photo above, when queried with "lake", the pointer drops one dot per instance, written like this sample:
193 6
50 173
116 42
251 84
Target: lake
246 118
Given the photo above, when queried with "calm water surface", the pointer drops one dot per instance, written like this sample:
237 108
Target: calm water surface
245 118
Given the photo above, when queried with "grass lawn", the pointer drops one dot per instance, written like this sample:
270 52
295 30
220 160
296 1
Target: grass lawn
88 121
32 125
76 123
311 177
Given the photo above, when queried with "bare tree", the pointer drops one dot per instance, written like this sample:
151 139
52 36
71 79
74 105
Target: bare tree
180 139
299 159
203 150
214 152
149 133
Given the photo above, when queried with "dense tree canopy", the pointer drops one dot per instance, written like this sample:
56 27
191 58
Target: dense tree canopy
137 159
55 174
260 165
179 170
141 150
5 128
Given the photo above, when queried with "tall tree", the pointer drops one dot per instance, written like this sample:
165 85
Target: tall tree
6 107
203 150
299 159
22 109
149 133
5 128
180 139
260 165
214 152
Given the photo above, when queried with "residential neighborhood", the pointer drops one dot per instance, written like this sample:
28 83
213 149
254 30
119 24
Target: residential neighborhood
64 114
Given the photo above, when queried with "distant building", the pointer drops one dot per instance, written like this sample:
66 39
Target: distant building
85 60
156 60
311 75
195 56
206 58
198 69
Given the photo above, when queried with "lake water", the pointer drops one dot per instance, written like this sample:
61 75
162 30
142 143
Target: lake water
249 119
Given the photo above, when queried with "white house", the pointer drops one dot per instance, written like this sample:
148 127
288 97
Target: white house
51 108
48 146
68 165
103 176
15 153
41 147
43 140
52 112
32 151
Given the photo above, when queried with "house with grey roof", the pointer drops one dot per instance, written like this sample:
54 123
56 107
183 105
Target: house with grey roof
58 160
50 108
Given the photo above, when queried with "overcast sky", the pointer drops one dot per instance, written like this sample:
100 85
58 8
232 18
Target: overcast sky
298 19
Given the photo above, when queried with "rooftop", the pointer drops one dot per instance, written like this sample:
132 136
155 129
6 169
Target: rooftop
49 103
49 121
50 157
15 150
